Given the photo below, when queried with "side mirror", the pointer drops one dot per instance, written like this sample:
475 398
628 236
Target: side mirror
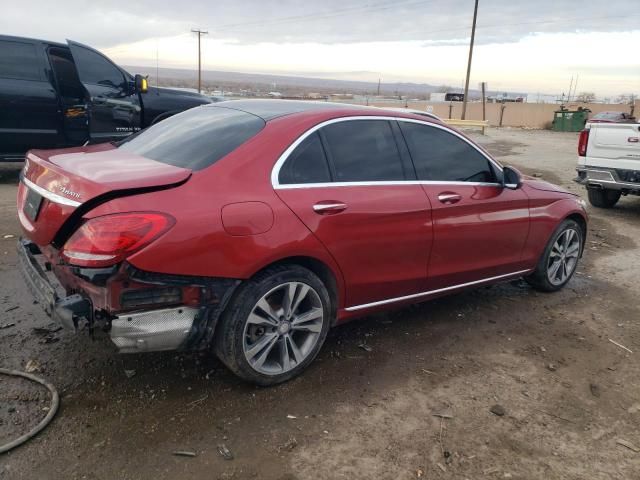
142 84
511 178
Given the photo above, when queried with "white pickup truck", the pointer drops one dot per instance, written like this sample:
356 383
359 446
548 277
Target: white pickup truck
609 162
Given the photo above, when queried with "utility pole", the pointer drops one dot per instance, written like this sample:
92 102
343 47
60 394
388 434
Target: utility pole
466 84
570 87
200 33
379 80
484 100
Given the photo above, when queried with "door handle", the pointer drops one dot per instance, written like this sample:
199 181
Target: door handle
329 207
449 198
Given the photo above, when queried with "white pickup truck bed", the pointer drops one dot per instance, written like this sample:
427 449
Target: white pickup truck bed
609 166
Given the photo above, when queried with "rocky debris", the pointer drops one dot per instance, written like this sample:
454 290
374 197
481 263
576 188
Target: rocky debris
48 334
498 410
184 453
595 389
625 443
289 445
32 366
224 451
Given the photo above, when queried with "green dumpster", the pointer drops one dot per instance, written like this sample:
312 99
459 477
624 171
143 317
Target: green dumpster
569 120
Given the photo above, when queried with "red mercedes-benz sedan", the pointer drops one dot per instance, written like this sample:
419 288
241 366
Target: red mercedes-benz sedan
252 227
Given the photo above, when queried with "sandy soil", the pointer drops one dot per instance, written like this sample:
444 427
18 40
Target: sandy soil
568 394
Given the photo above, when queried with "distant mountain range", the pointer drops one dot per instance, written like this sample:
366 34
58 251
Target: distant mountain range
287 83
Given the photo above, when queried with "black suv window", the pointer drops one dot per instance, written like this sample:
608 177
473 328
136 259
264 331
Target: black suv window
306 164
196 138
66 76
19 60
442 156
363 150
96 69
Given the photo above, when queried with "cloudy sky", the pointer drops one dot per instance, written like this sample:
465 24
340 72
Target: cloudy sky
535 46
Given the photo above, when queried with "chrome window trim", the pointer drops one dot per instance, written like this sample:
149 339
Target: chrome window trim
432 292
52 197
275 172
381 183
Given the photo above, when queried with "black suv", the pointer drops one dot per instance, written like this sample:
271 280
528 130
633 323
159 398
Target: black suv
55 95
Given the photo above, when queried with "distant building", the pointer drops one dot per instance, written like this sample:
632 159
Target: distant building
506 97
543 98
447 97
341 96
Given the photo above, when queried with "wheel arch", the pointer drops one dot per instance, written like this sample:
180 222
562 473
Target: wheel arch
328 276
582 223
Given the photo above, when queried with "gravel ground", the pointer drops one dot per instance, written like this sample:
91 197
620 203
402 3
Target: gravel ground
528 385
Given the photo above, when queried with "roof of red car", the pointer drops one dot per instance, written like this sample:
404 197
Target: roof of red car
269 109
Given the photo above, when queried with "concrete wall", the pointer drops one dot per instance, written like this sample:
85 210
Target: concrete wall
527 115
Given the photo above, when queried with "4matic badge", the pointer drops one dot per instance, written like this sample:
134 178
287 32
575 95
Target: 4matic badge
66 191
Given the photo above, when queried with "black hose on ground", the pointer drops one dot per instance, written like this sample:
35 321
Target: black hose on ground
55 403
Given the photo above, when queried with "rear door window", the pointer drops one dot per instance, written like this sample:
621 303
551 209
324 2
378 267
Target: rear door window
442 156
19 60
306 164
194 139
363 151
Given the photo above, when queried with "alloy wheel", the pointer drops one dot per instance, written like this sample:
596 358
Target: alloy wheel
283 328
563 257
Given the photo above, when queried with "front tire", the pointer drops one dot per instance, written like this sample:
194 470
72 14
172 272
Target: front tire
275 325
559 259
602 198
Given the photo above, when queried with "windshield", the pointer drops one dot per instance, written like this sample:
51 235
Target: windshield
194 139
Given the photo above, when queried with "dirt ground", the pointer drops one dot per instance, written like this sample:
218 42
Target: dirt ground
568 394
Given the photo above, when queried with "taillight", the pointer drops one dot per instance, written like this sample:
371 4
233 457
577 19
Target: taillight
107 240
582 142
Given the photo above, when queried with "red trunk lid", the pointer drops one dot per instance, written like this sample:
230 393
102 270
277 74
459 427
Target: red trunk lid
57 182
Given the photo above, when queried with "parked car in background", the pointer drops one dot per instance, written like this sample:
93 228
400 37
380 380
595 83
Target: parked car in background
612 117
61 95
609 162
251 227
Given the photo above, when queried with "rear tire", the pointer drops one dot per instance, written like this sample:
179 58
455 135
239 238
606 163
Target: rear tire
559 260
602 198
275 325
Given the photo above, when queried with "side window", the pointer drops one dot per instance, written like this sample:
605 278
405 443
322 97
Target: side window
442 156
306 164
96 69
363 150
19 60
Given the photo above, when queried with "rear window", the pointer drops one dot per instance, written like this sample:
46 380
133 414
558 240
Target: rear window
194 139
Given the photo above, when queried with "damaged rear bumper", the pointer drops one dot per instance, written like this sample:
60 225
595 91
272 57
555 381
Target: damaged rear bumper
67 311
141 329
